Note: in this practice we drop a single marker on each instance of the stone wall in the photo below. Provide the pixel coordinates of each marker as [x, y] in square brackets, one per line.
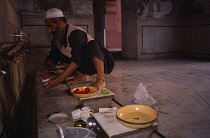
[12, 69]
[168, 28]
[9, 22]
[34, 26]
[33, 23]
[172, 8]
[67, 6]
[129, 29]
[77, 12]
[160, 37]
[197, 36]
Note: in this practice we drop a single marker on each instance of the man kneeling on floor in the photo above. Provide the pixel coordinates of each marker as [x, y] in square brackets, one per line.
[72, 45]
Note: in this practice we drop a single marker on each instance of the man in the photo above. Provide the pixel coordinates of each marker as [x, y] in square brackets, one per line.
[71, 44]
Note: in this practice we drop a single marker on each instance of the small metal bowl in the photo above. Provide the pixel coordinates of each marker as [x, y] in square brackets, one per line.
[80, 123]
[92, 125]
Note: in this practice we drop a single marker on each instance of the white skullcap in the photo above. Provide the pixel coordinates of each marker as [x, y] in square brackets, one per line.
[54, 13]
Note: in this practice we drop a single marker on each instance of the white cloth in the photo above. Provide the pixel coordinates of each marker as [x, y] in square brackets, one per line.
[54, 13]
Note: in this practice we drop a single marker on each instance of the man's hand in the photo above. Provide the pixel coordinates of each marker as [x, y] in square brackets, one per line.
[52, 83]
[67, 72]
[45, 74]
[48, 65]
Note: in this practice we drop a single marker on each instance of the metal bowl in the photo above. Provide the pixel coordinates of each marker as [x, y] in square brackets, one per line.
[136, 116]
[93, 92]
[92, 125]
[76, 132]
[80, 123]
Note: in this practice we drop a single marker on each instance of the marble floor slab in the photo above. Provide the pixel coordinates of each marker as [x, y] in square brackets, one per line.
[181, 88]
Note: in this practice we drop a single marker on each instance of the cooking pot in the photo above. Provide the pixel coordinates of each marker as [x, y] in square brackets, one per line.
[76, 132]
[136, 116]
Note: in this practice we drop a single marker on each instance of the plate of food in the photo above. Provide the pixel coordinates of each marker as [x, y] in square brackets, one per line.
[84, 92]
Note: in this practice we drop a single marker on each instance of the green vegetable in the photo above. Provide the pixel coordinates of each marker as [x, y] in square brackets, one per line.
[105, 91]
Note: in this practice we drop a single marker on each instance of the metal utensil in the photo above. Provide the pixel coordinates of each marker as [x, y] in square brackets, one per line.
[92, 125]
[76, 132]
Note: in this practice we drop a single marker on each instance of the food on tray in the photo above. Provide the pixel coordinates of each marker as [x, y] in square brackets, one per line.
[105, 91]
[76, 91]
[85, 91]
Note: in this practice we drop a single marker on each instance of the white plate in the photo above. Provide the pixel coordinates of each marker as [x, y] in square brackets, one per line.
[45, 80]
[57, 118]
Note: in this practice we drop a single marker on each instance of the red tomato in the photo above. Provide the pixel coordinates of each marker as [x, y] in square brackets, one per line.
[87, 89]
[82, 92]
[76, 91]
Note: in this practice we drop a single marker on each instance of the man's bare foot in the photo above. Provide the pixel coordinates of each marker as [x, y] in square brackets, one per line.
[79, 77]
[99, 84]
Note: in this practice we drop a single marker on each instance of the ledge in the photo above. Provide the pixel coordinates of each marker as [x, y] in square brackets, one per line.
[53, 100]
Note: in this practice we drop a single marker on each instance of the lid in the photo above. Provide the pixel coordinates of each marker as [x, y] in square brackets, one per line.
[77, 132]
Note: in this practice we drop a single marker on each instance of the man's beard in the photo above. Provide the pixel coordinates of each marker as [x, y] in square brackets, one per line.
[60, 37]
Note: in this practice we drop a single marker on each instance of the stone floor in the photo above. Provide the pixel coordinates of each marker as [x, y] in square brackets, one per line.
[181, 88]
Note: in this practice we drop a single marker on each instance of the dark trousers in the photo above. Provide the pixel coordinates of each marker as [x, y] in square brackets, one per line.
[83, 51]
